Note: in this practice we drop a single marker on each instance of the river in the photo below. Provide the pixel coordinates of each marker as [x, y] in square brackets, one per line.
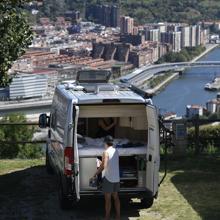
[189, 88]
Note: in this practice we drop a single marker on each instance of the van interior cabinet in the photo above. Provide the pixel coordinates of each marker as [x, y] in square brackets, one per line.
[88, 168]
[132, 172]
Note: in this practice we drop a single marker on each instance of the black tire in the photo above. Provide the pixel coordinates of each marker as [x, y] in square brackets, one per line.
[147, 202]
[65, 202]
[48, 165]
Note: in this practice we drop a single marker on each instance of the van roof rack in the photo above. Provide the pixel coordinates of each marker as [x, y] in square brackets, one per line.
[93, 76]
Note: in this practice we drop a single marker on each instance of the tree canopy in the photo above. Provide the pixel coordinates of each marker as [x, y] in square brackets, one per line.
[144, 11]
[15, 35]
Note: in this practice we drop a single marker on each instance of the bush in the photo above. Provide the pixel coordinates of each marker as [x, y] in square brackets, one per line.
[30, 151]
[186, 54]
[11, 134]
[209, 138]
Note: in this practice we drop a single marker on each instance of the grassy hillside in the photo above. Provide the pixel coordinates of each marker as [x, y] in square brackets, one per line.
[148, 10]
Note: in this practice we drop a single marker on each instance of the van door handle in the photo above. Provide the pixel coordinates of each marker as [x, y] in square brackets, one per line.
[150, 158]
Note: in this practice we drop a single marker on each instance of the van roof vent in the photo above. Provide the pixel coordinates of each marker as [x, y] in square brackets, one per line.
[93, 76]
[100, 88]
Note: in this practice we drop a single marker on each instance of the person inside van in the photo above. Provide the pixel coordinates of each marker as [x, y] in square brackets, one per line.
[111, 179]
[106, 126]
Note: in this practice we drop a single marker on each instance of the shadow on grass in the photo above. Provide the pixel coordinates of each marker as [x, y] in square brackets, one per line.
[32, 194]
[199, 182]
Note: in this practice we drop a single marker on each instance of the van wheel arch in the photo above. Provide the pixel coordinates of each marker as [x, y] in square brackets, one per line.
[49, 168]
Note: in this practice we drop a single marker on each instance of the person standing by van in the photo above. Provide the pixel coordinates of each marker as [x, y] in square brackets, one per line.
[111, 179]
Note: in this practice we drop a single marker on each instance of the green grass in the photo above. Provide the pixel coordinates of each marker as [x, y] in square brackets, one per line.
[158, 79]
[191, 190]
[7, 166]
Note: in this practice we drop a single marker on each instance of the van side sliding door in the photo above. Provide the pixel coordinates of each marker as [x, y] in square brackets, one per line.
[153, 150]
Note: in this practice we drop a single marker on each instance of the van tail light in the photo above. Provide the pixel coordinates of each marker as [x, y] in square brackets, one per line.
[68, 161]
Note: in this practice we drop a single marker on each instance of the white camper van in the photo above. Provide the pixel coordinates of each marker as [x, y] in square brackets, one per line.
[73, 145]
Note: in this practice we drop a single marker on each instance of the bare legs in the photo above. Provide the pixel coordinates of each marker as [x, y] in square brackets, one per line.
[117, 205]
[108, 205]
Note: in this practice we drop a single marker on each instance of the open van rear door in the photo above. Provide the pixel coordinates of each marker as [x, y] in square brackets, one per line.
[153, 150]
[76, 152]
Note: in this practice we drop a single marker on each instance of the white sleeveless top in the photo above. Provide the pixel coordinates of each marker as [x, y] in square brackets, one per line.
[111, 173]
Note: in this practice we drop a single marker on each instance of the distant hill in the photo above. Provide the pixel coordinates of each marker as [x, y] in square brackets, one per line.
[147, 10]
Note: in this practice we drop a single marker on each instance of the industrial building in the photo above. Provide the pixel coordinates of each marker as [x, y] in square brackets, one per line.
[28, 86]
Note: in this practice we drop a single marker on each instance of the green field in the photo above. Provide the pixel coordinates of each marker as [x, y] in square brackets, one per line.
[190, 191]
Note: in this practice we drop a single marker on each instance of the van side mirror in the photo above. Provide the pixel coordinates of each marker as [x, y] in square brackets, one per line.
[44, 121]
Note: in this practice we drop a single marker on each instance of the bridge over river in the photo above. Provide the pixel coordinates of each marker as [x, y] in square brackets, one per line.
[139, 75]
[147, 72]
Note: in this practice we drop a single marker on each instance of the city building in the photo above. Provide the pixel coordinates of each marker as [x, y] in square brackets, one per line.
[152, 35]
[213, 106]
[173, 38]
[126, 25]
[193, 110]
[73, 16]
[204, 37]
[111, 51]
[176, 41]
[28, 86]
[185, 36]
[135, 40]
[198, 35]
[106, 15]
[115, 16]
[193, 36]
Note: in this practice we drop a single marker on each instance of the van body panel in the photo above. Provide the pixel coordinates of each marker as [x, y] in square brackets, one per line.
[153, 154]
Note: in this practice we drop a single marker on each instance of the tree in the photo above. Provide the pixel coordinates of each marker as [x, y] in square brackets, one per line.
[15, 35]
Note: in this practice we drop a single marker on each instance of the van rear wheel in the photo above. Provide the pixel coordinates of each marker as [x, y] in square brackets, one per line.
[65, 202]
[147, 202]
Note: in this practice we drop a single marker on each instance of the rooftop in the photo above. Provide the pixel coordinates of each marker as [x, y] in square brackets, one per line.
[100, 93]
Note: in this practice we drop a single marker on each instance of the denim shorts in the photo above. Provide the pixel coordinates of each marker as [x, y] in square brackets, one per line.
[109, 187]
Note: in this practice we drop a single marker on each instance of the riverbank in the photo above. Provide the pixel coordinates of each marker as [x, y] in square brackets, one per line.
[209, 48]
[157, 88]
